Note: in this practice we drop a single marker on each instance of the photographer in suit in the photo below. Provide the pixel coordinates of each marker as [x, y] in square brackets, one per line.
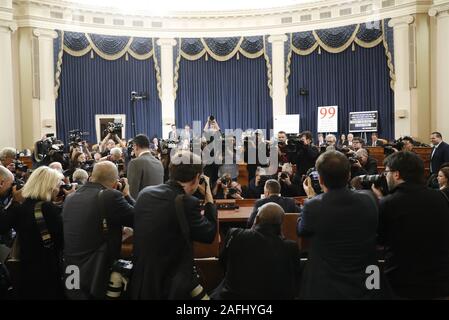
[167, 219]
[341, 227]
[306, 155]
[145, 170]
[272, 193]
[83, 222]
[413, 227]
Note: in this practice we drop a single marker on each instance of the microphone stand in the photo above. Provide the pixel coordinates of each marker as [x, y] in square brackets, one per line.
[133, 116]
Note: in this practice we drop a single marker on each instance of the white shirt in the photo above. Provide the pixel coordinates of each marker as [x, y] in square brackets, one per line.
[434, 148]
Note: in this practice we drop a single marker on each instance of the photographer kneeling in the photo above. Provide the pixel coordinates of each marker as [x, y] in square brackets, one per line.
[289, 184]
[94, 217]
[226, 188]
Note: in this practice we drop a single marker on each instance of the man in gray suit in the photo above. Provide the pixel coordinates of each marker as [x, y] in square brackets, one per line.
[145, 170]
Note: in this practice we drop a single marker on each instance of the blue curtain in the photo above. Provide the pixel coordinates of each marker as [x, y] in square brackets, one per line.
[353, 80]
[98, 86]
[234, 91]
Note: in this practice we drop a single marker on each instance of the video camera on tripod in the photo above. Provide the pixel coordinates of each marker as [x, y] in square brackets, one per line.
[44, 147]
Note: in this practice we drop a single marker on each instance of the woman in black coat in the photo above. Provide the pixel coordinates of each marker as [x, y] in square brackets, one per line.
[39, 266]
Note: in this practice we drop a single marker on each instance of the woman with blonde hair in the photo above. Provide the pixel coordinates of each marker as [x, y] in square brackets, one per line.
[38, 224]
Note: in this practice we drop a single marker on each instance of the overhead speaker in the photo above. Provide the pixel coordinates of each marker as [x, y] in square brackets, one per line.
[303, 92]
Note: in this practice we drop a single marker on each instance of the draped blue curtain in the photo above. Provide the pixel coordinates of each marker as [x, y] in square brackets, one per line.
[353, 80]
[234, 91]
[98, 86]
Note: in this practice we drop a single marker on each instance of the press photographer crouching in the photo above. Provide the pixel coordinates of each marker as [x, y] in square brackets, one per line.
[168, 218]
[94, 217]
[290, 186]
[38, 224]
[362, 164]
[226, 188]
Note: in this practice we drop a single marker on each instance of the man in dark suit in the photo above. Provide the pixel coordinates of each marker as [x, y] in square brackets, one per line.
[375, 142]
[340, 225]
[173, 134]
[259, 263]
[82, 222]
[413, 227]
[145, 170]
[168, 218]
[306, 155]
[272, 192]
[440, 152]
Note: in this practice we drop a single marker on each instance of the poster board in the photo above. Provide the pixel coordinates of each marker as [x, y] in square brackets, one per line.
[364, 121]
[327, 119]
[286, 122]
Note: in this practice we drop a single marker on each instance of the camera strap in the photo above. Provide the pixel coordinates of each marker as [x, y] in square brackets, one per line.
[42, 225]
[104, 221]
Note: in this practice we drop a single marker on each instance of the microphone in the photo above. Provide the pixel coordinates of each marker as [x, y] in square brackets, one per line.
[136, 96]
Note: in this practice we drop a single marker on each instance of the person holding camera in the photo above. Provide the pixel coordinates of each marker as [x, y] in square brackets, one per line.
[226, 188]
[168, 216]
[109, 142]
[282, 148]
[413, 228]
[93, 218]
[144, 170]
[38, 224]
[362, 164]
[340, 226]
[7, 197]
[306, 155]
[289, 185]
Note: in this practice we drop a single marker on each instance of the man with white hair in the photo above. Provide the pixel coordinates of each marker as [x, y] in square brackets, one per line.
[331, 140]
[80, 176]
[364, 165]
[7, 157]
[6, 199]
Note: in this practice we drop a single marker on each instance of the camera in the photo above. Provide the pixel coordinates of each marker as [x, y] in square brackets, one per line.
[378, 180]
[312, 173]
[18, 183]
[353, 160]
[232, 191]
[121, 271]
[224, 180]
[47, 147]
[284, 175]
[75, 137]
[114, 127]
[211, 118]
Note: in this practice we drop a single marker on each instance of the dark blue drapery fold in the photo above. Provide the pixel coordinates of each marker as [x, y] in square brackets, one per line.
[75, 41]
[98, 86]
[234, 91]
[109, 44]
[353, 80]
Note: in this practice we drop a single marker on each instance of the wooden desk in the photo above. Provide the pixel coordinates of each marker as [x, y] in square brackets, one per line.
[240, 215]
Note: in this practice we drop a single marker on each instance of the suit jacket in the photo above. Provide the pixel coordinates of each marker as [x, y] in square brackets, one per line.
[378, 143]
[161, 252]
[440, 156]
[341, 228]
[287, 204]
[413, 226]
[39, 270]
[259, 265]
[371, 166]
[83, 225]
[144, 171]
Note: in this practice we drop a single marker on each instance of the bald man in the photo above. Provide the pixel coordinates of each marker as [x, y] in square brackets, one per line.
[84, 233]
[259, 263]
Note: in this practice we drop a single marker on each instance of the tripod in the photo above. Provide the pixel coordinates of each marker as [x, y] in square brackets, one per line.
[134, 97]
